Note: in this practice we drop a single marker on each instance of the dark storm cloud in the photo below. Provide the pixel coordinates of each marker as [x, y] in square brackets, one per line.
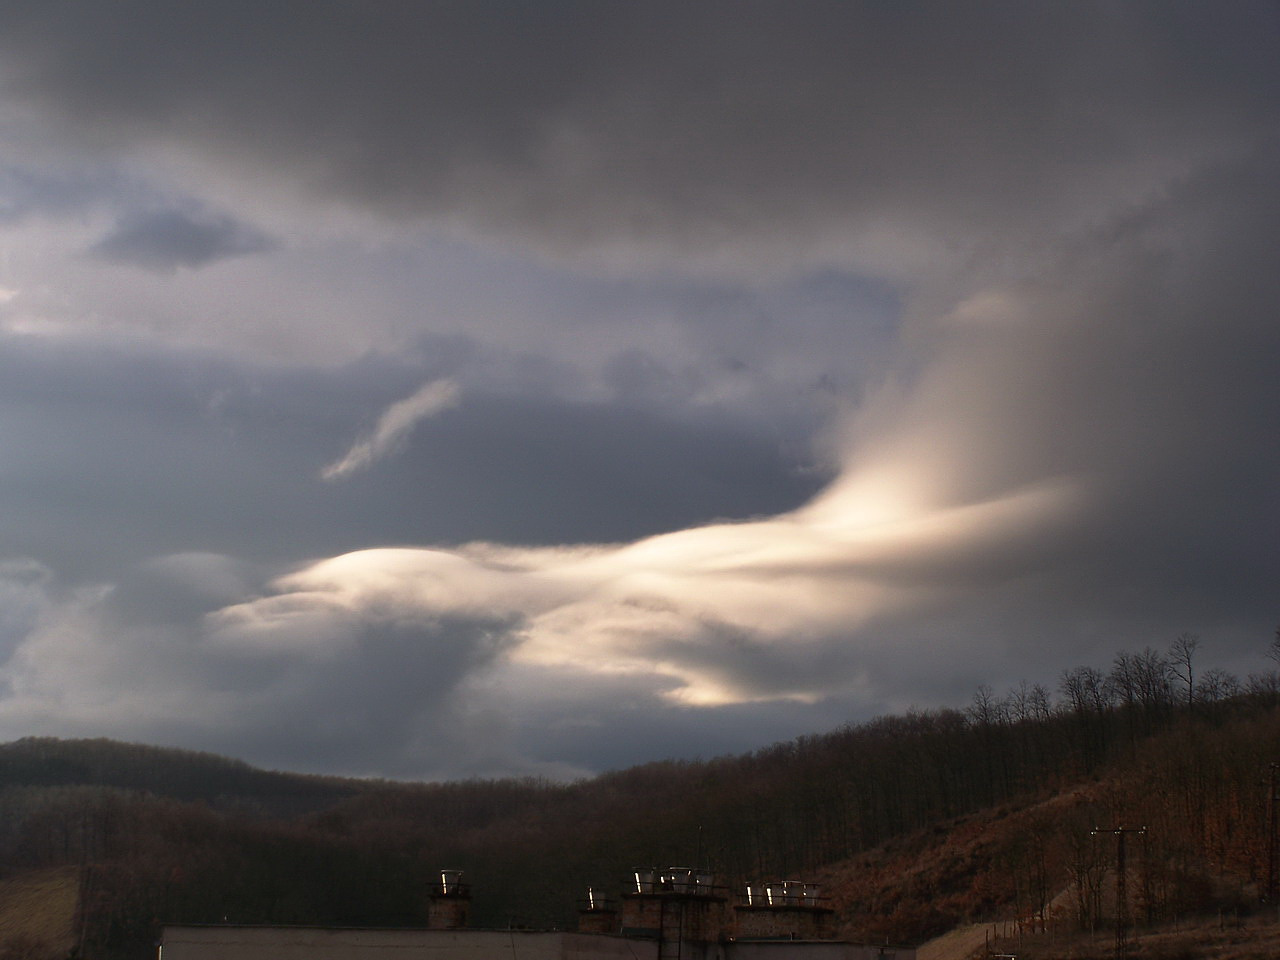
[801, 129]
[1136, 362]
[1054, 228]
[164, 240]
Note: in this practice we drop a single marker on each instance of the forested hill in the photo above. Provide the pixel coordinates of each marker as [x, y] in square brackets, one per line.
[167, 772]
[916, 823]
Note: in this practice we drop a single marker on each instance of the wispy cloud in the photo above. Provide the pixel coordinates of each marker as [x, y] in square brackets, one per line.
[394, 427]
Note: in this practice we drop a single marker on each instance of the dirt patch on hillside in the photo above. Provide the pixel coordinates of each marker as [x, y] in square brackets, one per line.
[960, 944]
[38, 914]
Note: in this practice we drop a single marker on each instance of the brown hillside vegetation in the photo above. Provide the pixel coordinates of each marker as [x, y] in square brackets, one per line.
[1005, 862]
[1033, 867]
[38, 914]
[1208, 938]
[917, 824]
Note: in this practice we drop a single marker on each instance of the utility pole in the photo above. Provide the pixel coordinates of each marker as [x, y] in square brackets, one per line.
[1122, 897]
[1271, 835]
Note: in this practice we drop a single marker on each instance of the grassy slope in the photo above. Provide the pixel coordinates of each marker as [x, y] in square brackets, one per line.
[38, 912]
[958, 871]
[957, 867]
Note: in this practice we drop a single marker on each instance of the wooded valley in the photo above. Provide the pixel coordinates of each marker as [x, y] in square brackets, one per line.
[914, 823]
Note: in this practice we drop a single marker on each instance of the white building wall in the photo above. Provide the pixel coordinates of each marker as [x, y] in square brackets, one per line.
[325, 943]
[812, 950]
[317, 943]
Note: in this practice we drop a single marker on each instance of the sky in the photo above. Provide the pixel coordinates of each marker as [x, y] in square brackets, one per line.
[452, 389]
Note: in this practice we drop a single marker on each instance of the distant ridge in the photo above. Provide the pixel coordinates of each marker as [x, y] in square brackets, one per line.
[167, 772]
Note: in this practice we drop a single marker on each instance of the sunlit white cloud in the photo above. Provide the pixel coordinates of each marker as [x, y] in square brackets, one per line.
[709, 617]
[627, 609]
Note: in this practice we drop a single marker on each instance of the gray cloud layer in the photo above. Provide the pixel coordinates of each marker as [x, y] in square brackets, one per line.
[793, 131]
[1003, 278]
[165, 240]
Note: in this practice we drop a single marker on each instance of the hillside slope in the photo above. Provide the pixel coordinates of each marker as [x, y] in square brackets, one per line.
[38, 913]
[1037, 866]
[164, 771]
[917, 825]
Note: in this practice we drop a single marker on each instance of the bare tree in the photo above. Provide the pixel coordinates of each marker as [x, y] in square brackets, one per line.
[1217, 684]
[1122, 682]
[986, 709]
[1086, 689]
[1152, 674]
[1264, 684]
[1268, 684]
[1039, 703]
[1182, 654]
[1019, 703]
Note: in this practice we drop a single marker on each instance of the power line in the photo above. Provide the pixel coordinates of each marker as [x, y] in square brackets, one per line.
[1272, 833]
[1122, 897]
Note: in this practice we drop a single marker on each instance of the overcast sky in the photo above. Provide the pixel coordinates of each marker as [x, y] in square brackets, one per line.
[431, 389]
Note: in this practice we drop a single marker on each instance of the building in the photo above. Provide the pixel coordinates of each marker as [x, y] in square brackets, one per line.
[671, 914]
[230, 942]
